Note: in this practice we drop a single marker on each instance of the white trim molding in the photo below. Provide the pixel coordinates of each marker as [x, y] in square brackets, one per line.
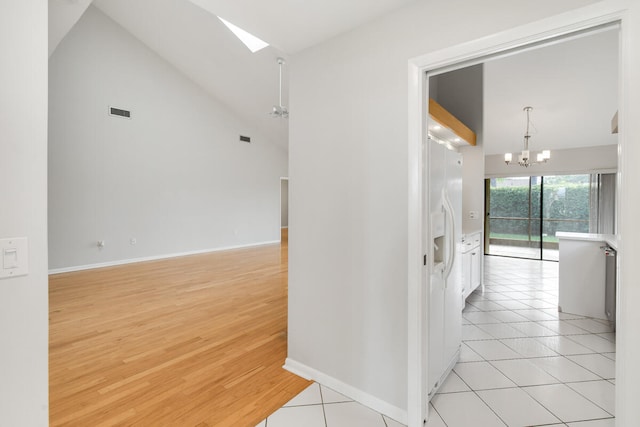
[156, 257]
[354, 393]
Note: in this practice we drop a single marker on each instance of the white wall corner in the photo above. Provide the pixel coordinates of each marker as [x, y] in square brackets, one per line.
[354, 393]
[155, 258]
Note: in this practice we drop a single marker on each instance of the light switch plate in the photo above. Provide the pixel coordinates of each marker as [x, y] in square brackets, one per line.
[14, 256]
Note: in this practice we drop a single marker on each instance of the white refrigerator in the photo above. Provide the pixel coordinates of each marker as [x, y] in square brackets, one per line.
[445, 271]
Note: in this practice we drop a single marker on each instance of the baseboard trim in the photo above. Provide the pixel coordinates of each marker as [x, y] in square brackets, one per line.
[354, 393]
[155, 258]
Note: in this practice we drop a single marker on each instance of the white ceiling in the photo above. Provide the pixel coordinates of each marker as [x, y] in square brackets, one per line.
[188, 34]
[294, 25]
[572, 87]
[205, 50]
[63, 15]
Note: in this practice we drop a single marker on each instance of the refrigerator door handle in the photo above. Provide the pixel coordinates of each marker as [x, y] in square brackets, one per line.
[450, 233]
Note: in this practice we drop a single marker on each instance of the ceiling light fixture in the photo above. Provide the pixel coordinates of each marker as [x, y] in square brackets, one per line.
[524, 158]
[280, 110]
[252, 42]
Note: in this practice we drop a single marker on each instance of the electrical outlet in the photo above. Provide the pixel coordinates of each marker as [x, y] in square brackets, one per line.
[100, 244]
[473, 214]
[133, 241]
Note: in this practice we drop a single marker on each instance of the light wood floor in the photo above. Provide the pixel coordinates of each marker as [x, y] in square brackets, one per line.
[190, 341]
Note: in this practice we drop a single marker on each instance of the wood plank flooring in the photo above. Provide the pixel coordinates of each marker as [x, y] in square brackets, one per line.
[190, 341]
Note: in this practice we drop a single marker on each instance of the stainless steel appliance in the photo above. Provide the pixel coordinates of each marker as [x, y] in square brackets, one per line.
[610, 284]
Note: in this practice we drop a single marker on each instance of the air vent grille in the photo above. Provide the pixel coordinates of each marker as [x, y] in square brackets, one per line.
[245, 138]
[119, 112]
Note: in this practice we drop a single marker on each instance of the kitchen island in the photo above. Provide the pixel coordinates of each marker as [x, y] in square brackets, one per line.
[583, 274]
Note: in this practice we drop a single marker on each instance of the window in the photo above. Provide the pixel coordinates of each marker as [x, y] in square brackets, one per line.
[525, 213]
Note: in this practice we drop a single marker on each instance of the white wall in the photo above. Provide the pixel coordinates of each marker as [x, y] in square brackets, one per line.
[599, 159]
[23, 211]
[175, 176]
[627, 337]
[348, 160]
[473, 189]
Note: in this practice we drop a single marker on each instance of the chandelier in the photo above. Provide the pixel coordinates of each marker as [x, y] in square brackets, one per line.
[525, 157]
[280, 111]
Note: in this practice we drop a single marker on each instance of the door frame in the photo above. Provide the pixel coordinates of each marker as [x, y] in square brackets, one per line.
[282, 180]
[449, 59]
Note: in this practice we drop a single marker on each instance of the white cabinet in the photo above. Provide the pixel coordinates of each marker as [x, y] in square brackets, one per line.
[476, 268]
[471, 263]
[466, 273]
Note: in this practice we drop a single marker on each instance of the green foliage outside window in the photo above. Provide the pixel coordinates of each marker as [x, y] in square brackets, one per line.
[563, 200]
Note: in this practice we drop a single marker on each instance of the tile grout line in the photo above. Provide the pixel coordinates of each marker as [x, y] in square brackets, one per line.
[536, 339]
[482, 400]
[589, 398]
[324, 413]
[429, 405]
[518, 386]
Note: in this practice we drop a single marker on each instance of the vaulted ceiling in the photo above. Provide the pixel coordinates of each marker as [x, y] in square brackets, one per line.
[572, 86]
[188, 34]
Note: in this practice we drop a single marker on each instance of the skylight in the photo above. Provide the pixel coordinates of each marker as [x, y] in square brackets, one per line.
[252, 42]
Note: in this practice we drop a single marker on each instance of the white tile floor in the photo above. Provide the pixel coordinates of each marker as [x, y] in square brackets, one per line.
[522, 364]
[523, 252]
[320, 406]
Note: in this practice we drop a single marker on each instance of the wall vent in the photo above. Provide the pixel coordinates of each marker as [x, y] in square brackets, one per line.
[119, 112]
[245, 138]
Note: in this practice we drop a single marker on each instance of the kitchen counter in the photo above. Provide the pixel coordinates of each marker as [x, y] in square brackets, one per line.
[609, 239]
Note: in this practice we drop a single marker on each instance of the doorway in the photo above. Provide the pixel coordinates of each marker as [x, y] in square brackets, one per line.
[448, 60]
[284, 210]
